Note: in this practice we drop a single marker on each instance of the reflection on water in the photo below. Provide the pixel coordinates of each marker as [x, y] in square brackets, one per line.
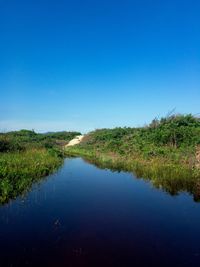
[11, 189]
[172, 185]
[86, 216]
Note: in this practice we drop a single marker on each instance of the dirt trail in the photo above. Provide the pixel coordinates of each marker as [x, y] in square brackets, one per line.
[75, 141]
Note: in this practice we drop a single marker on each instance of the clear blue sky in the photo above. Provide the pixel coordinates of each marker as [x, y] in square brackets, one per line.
[81, 65]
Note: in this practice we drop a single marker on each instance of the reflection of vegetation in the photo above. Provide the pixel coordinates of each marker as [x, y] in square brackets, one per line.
[165, 179]
[25, 157]
[164, 152]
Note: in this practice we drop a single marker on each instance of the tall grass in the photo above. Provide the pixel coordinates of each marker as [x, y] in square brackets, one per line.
[26, 156]
[18, 170]
[171, 178]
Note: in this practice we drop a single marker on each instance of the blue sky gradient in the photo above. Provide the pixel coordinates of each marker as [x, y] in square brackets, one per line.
[81, 65]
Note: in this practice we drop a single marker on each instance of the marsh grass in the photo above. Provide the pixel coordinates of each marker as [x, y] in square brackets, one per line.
[172, 178]
[26, 157]
[18, 170]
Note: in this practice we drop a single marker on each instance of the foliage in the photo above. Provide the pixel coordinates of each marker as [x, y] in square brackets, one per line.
[163, 151]
[173, 138]
[26, 156]
[23, 139]
[18, 170]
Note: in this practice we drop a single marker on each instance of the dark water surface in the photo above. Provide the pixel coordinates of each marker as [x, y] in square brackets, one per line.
[85, 216]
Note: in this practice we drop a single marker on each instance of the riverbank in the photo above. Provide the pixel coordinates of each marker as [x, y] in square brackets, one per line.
[163, 151]
[26, 157]
[18, 171]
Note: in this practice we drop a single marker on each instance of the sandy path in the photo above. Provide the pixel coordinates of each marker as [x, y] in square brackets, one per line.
[75, 141]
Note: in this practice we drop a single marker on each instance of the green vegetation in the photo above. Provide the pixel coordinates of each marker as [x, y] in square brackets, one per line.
[21, 140]
[164, 151]
[26, 156]
[167, 151]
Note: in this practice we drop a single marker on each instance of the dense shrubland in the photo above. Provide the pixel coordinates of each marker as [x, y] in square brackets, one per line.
[174, 138]
[24, 139]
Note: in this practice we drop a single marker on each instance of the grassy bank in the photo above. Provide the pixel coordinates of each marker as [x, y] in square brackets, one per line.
[18, 170]
[164, 151]
[25, 157]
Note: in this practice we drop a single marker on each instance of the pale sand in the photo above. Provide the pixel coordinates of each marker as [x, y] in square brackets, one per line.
[75, 141]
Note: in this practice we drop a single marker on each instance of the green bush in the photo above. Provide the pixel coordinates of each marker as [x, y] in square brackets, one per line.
[169, 141]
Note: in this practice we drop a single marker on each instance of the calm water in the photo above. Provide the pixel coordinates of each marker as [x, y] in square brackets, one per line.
[85, 216]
